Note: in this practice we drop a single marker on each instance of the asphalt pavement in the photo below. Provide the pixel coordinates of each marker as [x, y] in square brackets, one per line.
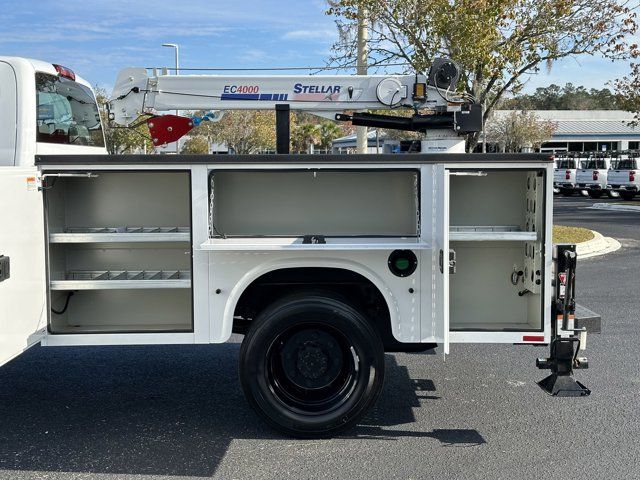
[178, 412]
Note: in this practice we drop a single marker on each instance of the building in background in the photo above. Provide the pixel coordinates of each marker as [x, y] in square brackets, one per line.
[589, 130]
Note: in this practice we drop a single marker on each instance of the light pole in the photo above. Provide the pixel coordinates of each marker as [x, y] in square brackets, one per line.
[176, 47]
[362, 139]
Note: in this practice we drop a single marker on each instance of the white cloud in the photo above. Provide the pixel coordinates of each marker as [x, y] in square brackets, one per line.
[254, 55]
[311, 34]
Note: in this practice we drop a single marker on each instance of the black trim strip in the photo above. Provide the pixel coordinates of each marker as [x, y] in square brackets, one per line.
[367, 159]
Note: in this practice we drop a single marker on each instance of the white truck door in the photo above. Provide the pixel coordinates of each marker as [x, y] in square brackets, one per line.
[8, 116]
[23, 313]
[435, 231]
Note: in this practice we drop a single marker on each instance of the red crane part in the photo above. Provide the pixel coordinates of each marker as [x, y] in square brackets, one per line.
[168, 128]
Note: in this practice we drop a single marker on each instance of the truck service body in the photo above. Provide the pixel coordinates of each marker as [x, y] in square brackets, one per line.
[322, 262]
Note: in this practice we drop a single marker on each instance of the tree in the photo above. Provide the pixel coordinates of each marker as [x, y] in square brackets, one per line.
[495, 42]
[328, 131]
[303, 136]
[243, 131]
[122, 139]
[568, 97]
[628, 91]
[515, 130]
[195, 144]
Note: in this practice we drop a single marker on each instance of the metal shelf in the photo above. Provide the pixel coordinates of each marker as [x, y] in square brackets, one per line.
[125, 328]
[295, 243]
[122, 280]
[121, 234]
[504, 233]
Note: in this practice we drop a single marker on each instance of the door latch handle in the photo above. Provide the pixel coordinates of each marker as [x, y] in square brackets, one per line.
[4, 268]
[451, 263]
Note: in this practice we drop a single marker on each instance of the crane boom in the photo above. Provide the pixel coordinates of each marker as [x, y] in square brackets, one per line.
[137, 93]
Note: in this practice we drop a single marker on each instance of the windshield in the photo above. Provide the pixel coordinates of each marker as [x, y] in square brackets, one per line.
[565, 163]
[596, 164]
[67, 112]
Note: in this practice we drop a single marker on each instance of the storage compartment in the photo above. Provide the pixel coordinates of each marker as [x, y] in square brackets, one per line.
[314, 202]
[481, 292]
[126, 203]
[496, 230]
[113, 311]
[498, 202]
[120, 252]
[93, 266]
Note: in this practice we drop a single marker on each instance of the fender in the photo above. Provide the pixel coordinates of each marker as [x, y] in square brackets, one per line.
[221, 331]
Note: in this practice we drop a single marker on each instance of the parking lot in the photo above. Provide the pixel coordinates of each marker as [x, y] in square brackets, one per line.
[178, 412]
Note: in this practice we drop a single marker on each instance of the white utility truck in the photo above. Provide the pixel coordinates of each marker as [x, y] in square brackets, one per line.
[593, 174]
[564, 175]
[322, 262]
[624, 177]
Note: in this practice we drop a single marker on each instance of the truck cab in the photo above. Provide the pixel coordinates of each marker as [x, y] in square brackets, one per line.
[44, 109]
[592, 177]
[625, 176]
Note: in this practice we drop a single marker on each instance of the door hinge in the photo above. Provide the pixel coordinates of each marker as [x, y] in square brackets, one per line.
[4, 268]
[451, 262]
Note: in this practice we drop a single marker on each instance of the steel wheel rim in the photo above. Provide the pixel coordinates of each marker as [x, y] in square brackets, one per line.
[302, 373]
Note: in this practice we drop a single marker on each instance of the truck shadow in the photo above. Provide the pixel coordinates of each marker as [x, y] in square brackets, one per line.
[157, 410]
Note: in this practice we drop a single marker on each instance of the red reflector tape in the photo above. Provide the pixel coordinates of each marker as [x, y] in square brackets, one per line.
[533, 338]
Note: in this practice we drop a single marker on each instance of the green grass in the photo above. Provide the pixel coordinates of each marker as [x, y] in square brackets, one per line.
[564, 234]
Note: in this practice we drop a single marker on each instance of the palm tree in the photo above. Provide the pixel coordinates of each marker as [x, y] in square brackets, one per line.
[328, 131]
[304, 136]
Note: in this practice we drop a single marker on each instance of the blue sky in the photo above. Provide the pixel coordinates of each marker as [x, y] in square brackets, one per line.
[98, 38]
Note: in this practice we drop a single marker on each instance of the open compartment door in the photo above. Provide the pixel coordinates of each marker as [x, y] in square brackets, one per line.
[23, 312]
[446, 257]
[435, 230]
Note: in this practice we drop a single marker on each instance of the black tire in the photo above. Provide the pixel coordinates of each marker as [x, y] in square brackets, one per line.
[311, 365]
[595, 193]
[627, 195]
[567, 192]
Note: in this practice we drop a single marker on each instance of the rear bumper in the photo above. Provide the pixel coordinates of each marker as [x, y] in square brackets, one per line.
[591, 186]
[587, 319]
[625, 188]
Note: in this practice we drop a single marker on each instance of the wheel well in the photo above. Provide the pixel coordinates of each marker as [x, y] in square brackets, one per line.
[354, 288]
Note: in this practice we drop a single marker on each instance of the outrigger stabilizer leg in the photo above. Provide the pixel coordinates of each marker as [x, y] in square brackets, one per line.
[565, 345]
